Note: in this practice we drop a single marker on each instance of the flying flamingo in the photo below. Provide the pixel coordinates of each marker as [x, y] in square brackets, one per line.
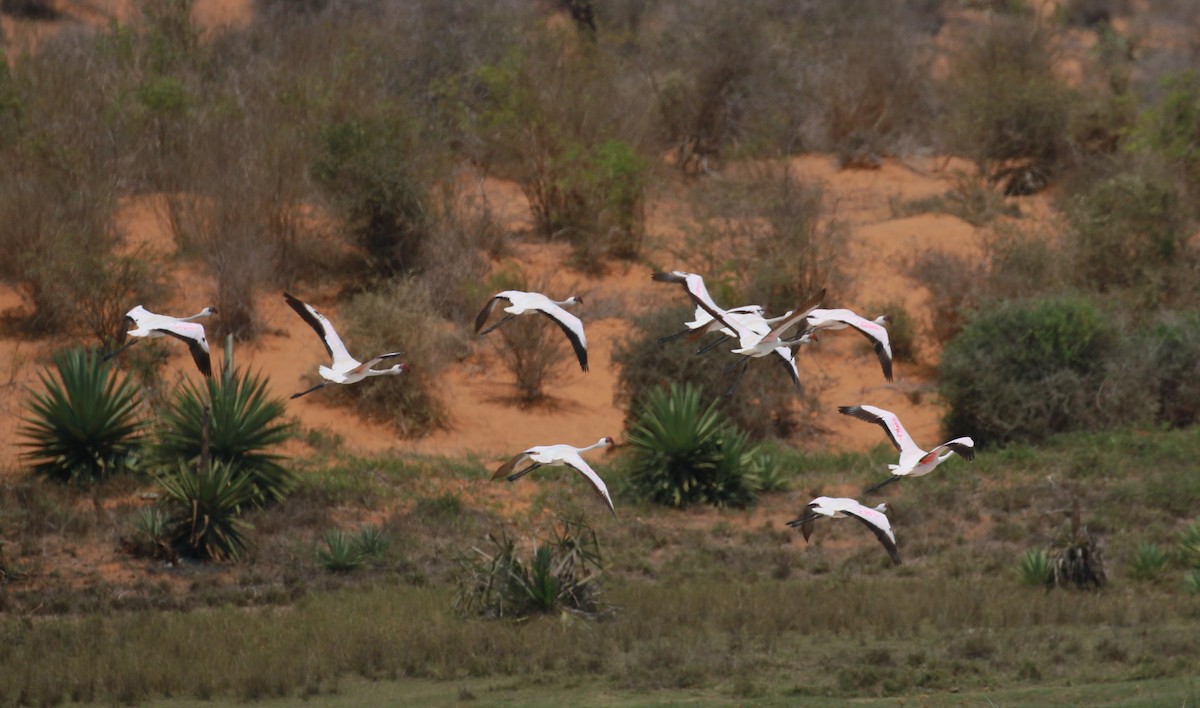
[148, 325]
[345, 369]
[756, 340]
[873, 330]
[521, 303]
[558, 456]
[840, 508]
[914, 462]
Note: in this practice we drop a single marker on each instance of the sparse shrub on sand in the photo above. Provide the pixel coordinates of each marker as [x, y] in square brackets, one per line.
[85, 427]
[1148, 563]
[399, 315]
[1034, 568]
[685, 451]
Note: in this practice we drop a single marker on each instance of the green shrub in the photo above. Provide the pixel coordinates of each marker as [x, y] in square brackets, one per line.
[367, 167]
[1148, 562]
[1191, 582]
[203, 506]
[902, 329]
[84, 427]
[150, 536]
[684, 452]
[234, 415]
[561, 575]
[371, 541]
[1035, 568]
[1026, 370]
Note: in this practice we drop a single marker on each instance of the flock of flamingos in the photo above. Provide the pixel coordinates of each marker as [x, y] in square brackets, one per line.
[756, 335]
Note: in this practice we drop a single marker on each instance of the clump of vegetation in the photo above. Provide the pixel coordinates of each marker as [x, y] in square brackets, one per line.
[561, 575]
[398, 316]
[1034, 568]
[1026, 370]
[1188, 546]
[1149, 562]
[684, 452]
[84, 427]
[204, 503]
[343, 552]
[765, 403]
[233, 414]
[150, 536]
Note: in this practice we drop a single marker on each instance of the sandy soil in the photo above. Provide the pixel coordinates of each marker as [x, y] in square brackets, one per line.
[478, 391]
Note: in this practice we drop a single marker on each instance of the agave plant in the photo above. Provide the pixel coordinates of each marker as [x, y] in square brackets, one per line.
[1035, 568]
[243, 423]
[684, 452]
[84, 427]
[1189, 546]
[341, 553]
[561, 574]
[204, 505]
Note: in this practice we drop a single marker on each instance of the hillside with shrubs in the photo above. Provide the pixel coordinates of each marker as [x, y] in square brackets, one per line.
[1012, 183]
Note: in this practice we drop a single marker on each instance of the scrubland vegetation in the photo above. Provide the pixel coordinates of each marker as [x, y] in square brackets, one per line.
[340, 145]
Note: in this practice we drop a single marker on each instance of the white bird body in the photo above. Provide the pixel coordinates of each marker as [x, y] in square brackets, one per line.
[344, 369]
[873, 518]
[558, 456]
[149, 325]
[521, 303]
[873, 330]
[914, 462]
[756, 336]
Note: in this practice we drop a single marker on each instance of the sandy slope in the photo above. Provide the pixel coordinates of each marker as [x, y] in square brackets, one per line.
[478, 390]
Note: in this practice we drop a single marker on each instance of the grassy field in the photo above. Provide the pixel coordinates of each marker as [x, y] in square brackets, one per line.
[701, 605]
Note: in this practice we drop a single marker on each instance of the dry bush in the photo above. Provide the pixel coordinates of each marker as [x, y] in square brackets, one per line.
[1008, 111]
[769, 237]
[866, 72]
[399, 316]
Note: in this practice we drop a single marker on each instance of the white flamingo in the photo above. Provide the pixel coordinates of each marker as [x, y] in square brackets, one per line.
[756, 340]
[914, 462]
[558, 456]
[873, 330]
[521, 303]
[148, 325]
[841, 507]
[344, 369]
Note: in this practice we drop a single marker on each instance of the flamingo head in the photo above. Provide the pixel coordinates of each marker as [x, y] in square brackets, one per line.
[883, 319]
[608, 443]
[573, 300]
[401, 368]
[882, 508]
[208, 311]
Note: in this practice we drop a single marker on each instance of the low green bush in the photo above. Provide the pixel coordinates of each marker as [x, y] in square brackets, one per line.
[1035, 568]
[1148, 562]
[1026, 370]
[204, 504]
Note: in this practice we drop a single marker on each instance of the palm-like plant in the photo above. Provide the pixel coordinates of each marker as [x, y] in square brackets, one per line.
[1035, 568]
[84, 427]
[244, 422]
[684, 452]
[204, 504]
[1148, 562]
[341, 553]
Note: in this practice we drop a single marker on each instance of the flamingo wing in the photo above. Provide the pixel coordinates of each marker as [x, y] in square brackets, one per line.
[573, 460]
[965, 447]
[508, 467]
[191, 334]
[888, 421]
[696, 290]
[482, 318]
[571, 326]
[796, 316]
[324, 329]
[878, 522]
[789, 363]
[875, 333]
